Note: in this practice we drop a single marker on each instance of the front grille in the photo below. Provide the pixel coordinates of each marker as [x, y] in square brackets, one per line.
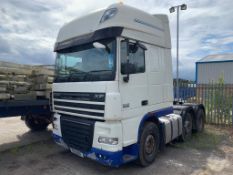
[77, 133]
[83, 96]
[81, 112]
[89, 105]
[79, 105]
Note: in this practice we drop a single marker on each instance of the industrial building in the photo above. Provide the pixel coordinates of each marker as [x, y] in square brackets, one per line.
[213, 67]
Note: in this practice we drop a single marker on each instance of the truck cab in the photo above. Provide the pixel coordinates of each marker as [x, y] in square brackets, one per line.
[113, 91]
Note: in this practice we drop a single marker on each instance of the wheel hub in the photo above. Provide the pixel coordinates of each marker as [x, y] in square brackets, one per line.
[150, 144]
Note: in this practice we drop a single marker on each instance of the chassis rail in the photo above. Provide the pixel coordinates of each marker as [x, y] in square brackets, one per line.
[24, 107]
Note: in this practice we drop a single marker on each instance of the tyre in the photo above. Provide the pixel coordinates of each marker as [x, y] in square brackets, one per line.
[200, 120]
[187, 127]
[36, 124]
[149, 144]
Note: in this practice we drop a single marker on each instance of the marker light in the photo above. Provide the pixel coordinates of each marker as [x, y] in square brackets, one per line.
[108, 140]
[108, 14]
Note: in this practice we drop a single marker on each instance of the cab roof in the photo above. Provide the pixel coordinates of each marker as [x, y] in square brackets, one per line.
[153, 29]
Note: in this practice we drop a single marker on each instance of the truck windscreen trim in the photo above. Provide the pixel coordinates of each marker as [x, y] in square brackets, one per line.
[97, 35]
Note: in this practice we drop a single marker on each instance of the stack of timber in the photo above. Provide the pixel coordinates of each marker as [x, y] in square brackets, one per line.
[43, 80]
[24, 82]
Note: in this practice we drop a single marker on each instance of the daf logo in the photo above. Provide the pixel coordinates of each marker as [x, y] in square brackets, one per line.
[99, 96]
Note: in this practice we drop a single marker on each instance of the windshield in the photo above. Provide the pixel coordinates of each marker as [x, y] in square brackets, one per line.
[87, 63]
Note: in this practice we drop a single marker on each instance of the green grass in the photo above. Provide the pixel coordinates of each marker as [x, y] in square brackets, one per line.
[209, 139]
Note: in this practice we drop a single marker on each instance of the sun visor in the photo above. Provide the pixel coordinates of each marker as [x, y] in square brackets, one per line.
[97, 35]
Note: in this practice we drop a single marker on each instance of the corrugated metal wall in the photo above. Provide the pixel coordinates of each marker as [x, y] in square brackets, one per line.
[208, 72]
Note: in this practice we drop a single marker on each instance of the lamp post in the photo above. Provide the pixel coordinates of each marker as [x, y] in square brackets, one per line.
[177, 9]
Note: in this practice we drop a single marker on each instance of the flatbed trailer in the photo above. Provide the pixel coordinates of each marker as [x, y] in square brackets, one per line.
[35, 113]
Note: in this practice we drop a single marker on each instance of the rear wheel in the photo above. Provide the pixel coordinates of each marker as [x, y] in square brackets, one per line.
[36, 123]
[187, 127]
[200, 120]
[149, 144]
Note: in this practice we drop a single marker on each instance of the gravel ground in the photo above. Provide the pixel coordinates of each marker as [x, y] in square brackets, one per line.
[14, 133]
[206, 154]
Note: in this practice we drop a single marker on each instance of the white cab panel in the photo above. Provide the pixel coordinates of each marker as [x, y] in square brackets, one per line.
[113, 106]
[130, 128]
[159, 72]
[133, 92]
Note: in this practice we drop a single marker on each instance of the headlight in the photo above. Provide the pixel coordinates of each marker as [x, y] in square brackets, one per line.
[108, 14]
[108, 140]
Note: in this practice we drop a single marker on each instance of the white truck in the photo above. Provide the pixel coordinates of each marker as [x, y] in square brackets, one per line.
[113, 91]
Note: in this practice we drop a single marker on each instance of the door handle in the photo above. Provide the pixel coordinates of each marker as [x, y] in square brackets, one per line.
[144, 102]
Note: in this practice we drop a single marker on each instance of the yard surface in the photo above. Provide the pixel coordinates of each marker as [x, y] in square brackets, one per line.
[14, 133]
[207, 153]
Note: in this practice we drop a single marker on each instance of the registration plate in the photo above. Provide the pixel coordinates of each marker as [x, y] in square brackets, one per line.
[77, 152]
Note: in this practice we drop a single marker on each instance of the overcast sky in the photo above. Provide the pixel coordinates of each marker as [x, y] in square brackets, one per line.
[28, 28]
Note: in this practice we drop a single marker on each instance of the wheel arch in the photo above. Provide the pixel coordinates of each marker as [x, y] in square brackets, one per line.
[154, 117]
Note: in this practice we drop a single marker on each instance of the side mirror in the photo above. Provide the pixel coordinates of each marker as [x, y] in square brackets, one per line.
[126, 78]
[133, 48]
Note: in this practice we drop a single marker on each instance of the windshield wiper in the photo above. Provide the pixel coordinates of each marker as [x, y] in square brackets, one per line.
[107, 70]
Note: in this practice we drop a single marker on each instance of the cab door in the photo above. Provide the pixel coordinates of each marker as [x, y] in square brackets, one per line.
[133, 79]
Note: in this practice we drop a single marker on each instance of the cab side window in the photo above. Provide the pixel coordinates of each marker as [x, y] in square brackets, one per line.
[136, 59]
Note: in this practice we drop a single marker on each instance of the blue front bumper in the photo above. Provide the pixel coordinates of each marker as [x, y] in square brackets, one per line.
[113, 159]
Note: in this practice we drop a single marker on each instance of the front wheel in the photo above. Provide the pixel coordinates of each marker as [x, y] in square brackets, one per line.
[149, 144]
[36, 123]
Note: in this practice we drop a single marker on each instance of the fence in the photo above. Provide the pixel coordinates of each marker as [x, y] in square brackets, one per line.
[217, 98]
